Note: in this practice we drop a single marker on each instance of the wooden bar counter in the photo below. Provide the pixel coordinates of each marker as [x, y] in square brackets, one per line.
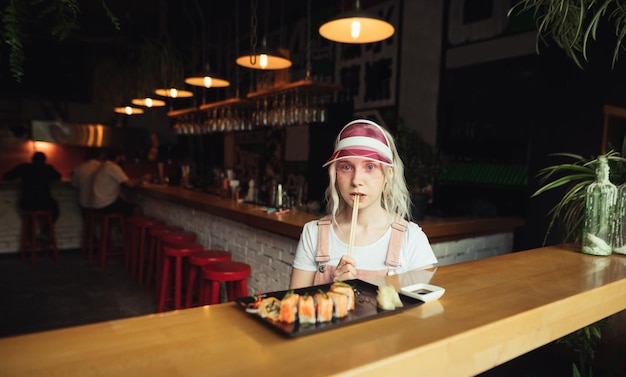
[493, 310]
[437, 229]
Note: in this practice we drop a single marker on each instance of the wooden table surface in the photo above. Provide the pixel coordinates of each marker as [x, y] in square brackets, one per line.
[493, 310]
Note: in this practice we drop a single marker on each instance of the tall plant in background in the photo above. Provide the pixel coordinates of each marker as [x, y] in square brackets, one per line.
[573, 24]
[64, 14]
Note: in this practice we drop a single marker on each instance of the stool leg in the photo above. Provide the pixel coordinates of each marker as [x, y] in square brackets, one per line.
[205, 292]
[230, 290]
[92, 235]
[104, 240]
[141, 259]
[243, 289]
[53, 238]
[25, 234]
[215, 292]
[150, 267]
[33, 240]
[191, 281]
[164, 284]
[178, 283]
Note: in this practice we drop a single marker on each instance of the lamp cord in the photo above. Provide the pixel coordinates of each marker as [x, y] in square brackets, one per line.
[253, 25]
[308, 39]
[236, 47]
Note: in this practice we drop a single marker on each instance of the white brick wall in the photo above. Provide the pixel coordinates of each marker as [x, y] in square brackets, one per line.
[67, 228]
[270, 255]
[473, 248]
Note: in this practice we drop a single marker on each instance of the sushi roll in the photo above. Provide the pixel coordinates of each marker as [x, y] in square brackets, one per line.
[346, 289]
[306, 309]
[289, 307]
[324, 306]
[340, 304]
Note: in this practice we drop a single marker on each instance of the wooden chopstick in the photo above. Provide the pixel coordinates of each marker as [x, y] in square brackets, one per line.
[355, 214]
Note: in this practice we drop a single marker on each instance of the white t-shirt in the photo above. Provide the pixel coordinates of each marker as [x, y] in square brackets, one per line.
[416, 250]
[106, 184]
[82, 178]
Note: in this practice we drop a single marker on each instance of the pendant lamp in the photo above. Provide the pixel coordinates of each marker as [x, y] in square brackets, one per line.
[207, 79]
[262, 58]
[148, 102]
[128, 110]
[356, 27]
[173, 93]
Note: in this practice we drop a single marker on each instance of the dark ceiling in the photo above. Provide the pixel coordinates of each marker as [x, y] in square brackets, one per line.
[64, 69]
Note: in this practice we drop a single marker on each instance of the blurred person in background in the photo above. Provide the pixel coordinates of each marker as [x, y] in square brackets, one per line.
[36, 179]
[83, 175]
[107, 187]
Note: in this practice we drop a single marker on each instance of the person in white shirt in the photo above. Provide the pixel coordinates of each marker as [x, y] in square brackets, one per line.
[365, 166]
[107, 185]
[83, 175]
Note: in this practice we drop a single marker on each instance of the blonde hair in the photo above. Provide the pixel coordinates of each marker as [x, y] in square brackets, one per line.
[396, 198]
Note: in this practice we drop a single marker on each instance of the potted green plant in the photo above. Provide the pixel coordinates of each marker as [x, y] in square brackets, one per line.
[422, 166]
[568, 213]
[574, 176]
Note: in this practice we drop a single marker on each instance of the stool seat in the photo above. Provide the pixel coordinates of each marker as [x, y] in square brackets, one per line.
[178, 237]
[176, 253]
[197, 260]
[32, 220]
[234, 274]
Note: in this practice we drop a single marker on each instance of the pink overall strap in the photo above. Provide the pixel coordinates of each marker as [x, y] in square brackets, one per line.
[395, 243]
[324, 274]
[323, 256]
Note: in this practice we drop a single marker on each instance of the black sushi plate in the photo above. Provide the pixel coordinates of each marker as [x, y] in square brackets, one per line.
[365, 309]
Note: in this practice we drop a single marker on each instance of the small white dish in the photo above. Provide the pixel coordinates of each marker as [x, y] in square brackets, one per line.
[423, 292]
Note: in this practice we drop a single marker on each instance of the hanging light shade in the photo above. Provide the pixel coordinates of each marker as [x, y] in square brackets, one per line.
[356, 27]
[148, 102]
[173, 93]
[264, 59]
[128, 110]
[207, 79]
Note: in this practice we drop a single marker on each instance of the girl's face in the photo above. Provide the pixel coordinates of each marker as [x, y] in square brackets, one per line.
[363, 177]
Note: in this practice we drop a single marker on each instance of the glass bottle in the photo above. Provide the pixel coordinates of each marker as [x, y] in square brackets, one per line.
[619, 245]
[600, 203]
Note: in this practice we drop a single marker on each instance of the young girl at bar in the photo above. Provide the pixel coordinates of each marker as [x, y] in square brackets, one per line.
[366, 232]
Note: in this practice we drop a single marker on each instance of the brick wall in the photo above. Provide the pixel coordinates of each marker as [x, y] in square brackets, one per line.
[270, 255]
[67, 228]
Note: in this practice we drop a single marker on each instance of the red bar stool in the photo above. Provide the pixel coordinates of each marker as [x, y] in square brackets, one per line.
[87, 243]
[107, 247]
[154, 250]
[139, 245]
[133, 233]
[171, 238]
[196, 261]
[31, 221]
[176, 253]
[233, 274]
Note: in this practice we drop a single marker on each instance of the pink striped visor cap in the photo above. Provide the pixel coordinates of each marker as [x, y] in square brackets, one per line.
[362, 139]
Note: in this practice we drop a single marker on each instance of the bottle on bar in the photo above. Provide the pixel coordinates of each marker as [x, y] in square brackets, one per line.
[619, 246]
[600, 203]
